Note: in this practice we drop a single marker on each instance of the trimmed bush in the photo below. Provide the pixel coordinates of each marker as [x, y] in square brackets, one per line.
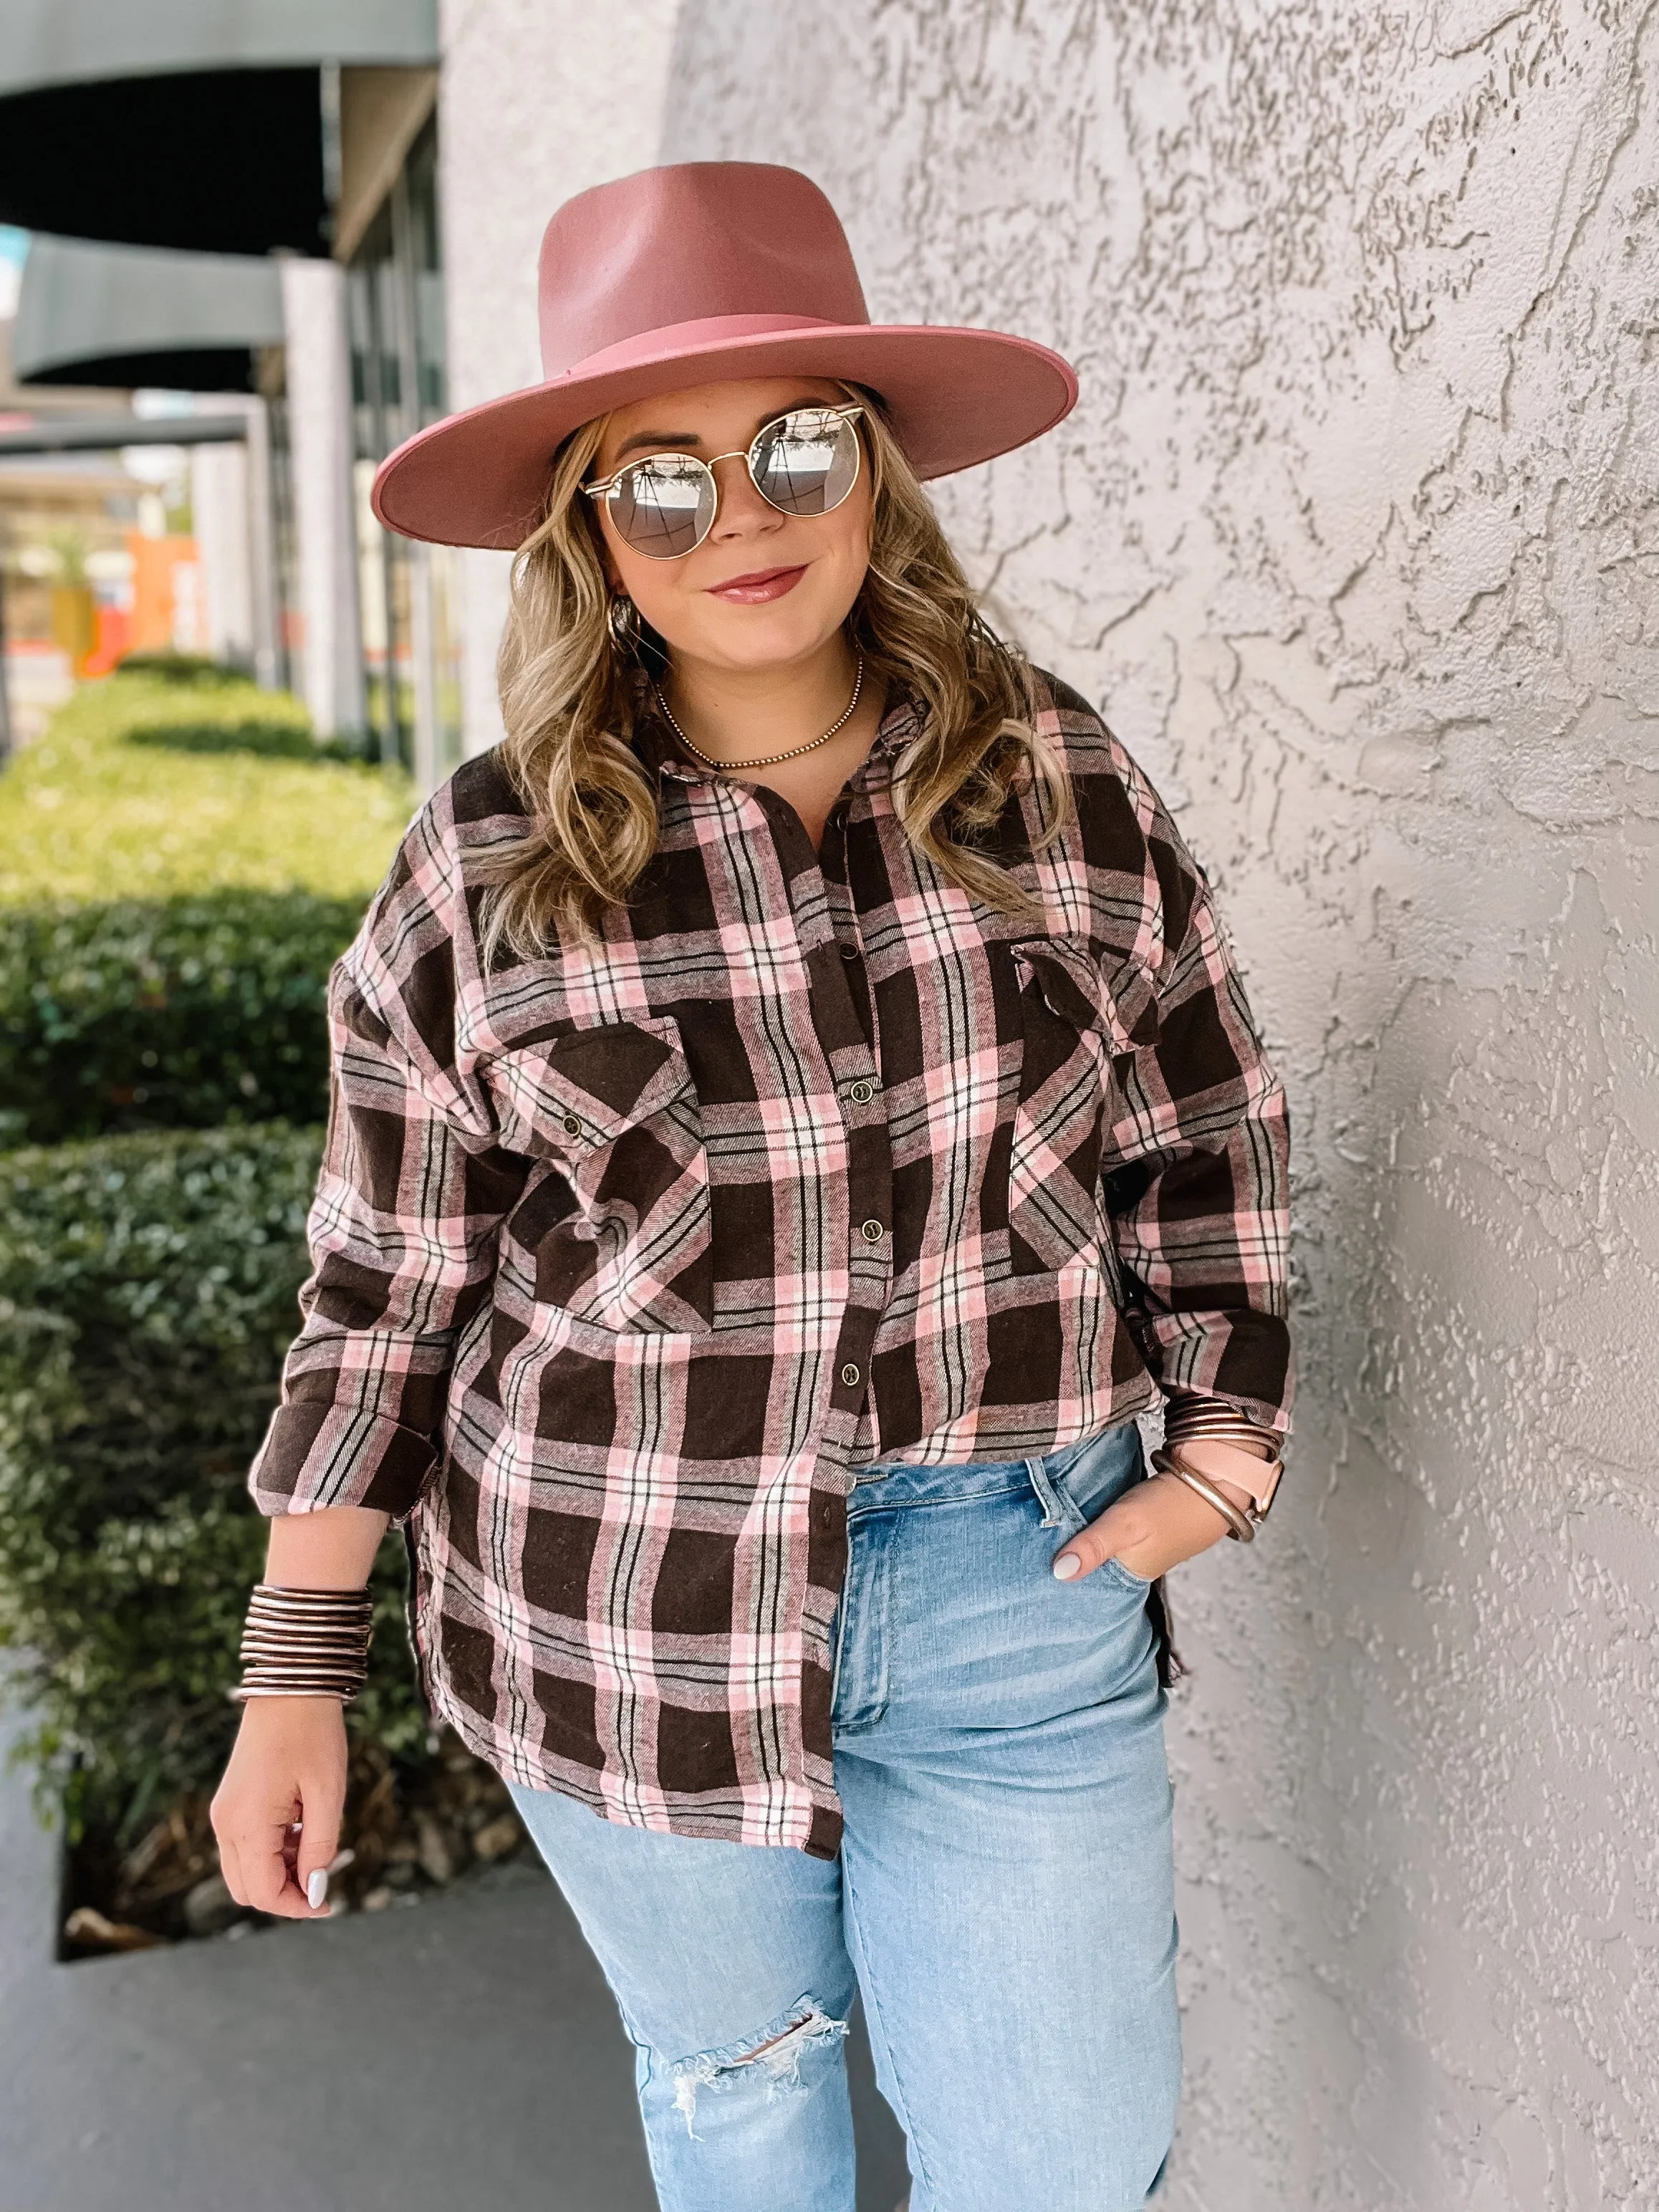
[147, 1296]
[180, 668]
[183, 1011]
[149, 786]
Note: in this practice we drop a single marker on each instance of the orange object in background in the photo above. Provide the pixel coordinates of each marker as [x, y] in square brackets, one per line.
[114, 626]
[156, 592]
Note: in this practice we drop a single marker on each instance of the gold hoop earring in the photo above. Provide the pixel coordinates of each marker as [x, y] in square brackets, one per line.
[621, 619]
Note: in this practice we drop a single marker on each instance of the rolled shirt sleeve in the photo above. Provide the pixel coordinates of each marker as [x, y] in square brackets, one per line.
[403, 1233]
[1197, 1174]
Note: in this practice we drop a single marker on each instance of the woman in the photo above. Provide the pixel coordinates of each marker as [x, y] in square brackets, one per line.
[794, 1109]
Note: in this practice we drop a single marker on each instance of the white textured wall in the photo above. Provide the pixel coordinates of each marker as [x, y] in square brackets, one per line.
[538, 100]
[1356, 536]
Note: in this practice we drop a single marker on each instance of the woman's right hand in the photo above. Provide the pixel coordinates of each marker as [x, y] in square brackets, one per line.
[289, 1766]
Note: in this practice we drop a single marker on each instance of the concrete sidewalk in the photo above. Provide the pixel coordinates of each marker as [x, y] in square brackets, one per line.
[459, 2056]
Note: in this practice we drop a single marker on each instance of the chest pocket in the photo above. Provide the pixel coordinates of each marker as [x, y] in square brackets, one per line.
[615, 1109]
[1076, 1023]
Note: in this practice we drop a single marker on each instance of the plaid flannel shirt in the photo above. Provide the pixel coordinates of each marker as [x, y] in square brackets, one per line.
[627, 1258]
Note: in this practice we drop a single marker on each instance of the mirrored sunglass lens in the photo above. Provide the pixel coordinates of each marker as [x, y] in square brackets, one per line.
[806, 463]
[663, 507]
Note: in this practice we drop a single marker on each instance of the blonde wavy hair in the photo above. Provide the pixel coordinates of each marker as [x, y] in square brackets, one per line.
[570, 699]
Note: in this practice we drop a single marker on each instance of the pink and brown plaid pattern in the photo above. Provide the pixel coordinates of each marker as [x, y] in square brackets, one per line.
[626, 1258]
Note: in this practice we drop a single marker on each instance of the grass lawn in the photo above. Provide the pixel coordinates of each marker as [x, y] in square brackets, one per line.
[147, 786]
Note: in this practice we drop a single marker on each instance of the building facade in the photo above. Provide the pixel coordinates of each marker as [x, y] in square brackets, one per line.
[408, 593]
[247, 130]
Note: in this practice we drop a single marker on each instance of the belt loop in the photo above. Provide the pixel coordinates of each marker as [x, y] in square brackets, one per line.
[1053, 1512]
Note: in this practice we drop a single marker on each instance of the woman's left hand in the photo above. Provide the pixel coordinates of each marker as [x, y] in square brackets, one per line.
[1156, 1525]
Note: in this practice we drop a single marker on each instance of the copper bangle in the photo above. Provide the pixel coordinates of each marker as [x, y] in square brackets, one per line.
[305, 1643]
[1192, 1419]
[1239, 1523]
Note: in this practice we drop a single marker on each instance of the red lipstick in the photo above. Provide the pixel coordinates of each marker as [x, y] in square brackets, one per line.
[755, 589]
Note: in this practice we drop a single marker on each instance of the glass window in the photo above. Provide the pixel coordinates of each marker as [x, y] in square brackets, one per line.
[411, 642]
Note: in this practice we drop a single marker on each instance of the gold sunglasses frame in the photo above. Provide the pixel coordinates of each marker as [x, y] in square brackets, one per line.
[746, 455]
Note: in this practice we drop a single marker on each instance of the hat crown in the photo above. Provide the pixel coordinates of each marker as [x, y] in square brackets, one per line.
[686, 243]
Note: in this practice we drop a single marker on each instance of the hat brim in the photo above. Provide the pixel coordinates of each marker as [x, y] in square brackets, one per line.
[954, 398]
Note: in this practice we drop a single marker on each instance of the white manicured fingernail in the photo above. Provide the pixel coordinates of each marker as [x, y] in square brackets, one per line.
[1066, 1566]
[341, 1859]
[317, 1887]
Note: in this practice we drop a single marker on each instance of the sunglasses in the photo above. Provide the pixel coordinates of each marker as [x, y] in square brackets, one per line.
[663, 505]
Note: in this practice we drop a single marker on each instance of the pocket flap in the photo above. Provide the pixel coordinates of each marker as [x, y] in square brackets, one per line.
[589, 1087]
[615, 1076]
[1121, 1006]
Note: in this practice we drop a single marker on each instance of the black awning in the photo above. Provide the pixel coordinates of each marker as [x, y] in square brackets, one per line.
[197, 368]
[221, 161]
[197, 124]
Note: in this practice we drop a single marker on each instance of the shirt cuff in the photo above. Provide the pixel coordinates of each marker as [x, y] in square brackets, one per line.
[1241, 1355]
[317, 1455]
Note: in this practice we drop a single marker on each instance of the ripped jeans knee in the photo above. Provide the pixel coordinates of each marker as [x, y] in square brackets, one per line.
[767, 2064]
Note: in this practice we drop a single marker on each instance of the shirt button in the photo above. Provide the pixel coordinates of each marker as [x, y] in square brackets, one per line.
[862, 1093]
[873, 1232]
[573, 1127]
[849, 1375]
[849, 951]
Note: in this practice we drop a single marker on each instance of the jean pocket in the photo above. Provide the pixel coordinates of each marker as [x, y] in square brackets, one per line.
[1136, 1584]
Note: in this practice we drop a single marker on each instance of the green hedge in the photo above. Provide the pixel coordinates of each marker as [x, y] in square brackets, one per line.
[192, 668]
[150, 786]
[184, 1011]
[147, 1296]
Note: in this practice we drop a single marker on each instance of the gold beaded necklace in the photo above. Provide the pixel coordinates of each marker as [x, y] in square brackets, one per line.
[767, 759]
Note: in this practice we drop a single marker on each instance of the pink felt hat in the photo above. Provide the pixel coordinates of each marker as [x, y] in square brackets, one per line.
[693, 274]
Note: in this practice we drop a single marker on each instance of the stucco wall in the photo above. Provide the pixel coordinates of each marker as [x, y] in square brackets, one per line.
[536, 100]
[1356, 536]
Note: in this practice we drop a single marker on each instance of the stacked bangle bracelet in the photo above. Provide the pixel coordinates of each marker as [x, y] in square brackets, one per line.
[1192, 1419]
[305, 1643]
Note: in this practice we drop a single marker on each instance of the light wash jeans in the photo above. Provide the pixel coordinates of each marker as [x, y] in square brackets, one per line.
[1004, 1898]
